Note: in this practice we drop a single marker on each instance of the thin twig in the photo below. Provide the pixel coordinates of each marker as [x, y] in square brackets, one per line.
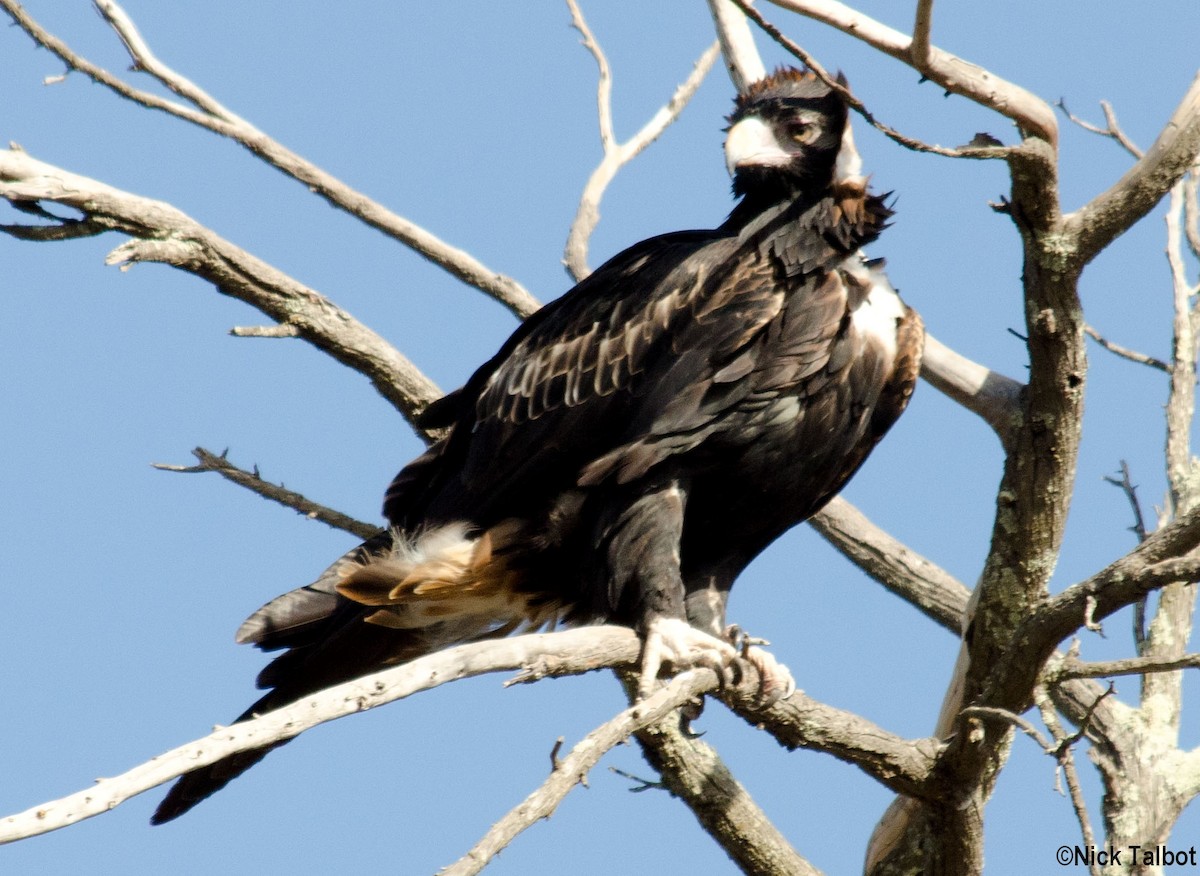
[1173, 153]
[1069, 668]
[1126, 485]
[1112, 130]
[992, 713]
[276, 493]
[1081, 731]
[639, 784]
[1125, 352]
[1066, 760]
[608, 138]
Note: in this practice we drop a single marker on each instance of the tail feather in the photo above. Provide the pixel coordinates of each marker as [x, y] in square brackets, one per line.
[393, 599]
[199, 784]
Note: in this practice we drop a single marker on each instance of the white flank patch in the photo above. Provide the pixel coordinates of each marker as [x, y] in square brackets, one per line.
[877, 316]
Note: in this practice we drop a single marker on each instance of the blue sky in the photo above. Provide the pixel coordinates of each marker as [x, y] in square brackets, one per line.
[123, 585]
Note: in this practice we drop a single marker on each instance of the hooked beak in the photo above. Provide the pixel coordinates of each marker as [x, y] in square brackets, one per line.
[752, 142]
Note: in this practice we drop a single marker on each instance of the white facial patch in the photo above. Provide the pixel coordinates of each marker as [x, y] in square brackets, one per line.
[752, 142]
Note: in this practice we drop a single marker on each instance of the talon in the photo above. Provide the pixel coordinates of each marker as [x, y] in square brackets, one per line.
[741, 640]
[775, 679]
[675, 642]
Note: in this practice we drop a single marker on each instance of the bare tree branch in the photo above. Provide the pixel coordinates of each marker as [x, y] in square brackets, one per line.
[616, 154]
[742, 60]
[1191, 202]
[1072, 668]
[216, 118]
[991, 713]
[165, 234]
[1066, 760]
[993, 396]
[921, 49]
[694, 772]
[1110, 214]
[798, 721]
[1126, 485]
[573, 769]
[1163, 558]
[1125, 352]
[955, 75]
[912, 577]
[1171, 626]
[903, 765]
[275, 493]
[572, 651]
[1112, 130]
[988, 150]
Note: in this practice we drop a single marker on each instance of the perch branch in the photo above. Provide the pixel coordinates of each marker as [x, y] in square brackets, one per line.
[576, 650]
[798, 721]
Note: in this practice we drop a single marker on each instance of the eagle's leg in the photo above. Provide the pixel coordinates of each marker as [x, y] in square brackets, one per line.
[644, 573]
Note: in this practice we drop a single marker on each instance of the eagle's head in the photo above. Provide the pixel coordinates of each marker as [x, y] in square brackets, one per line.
[788, 135]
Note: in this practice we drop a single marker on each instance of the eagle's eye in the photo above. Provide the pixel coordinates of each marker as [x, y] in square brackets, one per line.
[798, 130]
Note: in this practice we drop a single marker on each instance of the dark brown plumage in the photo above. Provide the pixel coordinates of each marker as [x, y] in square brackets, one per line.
[638, 441]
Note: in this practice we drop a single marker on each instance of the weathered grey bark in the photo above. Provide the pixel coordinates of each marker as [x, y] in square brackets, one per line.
[1012, 626]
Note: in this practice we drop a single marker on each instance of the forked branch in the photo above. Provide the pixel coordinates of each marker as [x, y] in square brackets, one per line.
[616, 153]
